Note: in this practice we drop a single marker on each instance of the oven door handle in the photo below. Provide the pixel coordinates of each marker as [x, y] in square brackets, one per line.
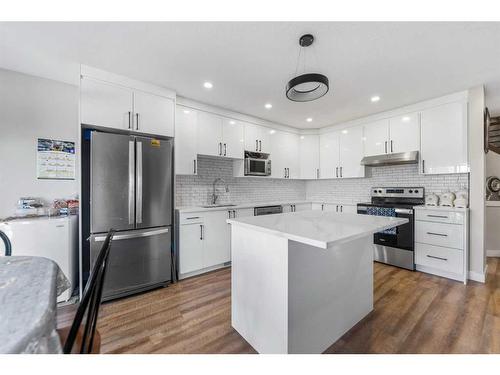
[406, 211]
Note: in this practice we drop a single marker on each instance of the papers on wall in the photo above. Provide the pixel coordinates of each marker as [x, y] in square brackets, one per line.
[55, 159]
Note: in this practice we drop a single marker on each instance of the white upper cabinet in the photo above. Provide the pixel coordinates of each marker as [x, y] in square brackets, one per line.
[106, 105]
[444, 139]
[113, 106]
[284, 155]
[329, 155]
[309, 157]
[404, 132]
[351, 152]
[257, 138]
[185, 140]
[153, 114]
[376, 137]
[233, 138]
[209, 134]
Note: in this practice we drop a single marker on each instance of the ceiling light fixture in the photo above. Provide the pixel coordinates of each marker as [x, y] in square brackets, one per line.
[186, 112]
[375, 98]
[306, 86]
[268, 105]
[208, 85]
[309, 119]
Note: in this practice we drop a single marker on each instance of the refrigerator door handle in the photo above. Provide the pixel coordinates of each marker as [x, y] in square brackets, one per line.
[138, 209]
[118, 237]
[131, 170]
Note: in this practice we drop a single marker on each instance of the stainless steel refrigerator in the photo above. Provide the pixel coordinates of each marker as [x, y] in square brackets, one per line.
[131, 191]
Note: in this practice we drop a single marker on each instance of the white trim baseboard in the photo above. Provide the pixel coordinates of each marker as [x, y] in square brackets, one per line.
[479, 277]
[493, 253]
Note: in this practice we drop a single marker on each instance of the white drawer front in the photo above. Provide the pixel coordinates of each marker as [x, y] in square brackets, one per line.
[447, 235]
[190, 218]
[439, 216]
[444, 259]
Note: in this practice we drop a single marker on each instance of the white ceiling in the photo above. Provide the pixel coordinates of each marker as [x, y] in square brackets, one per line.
[250, 63]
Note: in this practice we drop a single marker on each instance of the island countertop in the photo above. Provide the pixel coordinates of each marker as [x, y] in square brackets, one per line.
[319, 228]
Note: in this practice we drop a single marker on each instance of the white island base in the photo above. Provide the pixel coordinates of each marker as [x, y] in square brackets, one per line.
[291, 297]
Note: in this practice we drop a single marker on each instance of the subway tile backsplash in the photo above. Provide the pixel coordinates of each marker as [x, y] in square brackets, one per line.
[357, 190]
[197, 190]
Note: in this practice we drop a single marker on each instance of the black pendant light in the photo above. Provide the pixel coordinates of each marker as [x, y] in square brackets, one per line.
[307, 86]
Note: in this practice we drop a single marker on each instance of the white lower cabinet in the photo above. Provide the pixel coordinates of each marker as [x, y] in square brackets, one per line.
[441, 242]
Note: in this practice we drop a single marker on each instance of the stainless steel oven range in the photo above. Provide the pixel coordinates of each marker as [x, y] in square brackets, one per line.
[394, 246]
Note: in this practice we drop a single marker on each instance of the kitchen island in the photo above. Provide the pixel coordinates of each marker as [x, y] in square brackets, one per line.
[300, 280]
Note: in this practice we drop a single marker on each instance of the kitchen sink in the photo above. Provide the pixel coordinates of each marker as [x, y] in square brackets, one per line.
[218, 205]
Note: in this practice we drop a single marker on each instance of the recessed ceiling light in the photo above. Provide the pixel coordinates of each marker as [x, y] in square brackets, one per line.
[302, 137]
[375, 98]
[345, 131]
[232, 122]
[309, 119]
[208, 85]
[272, 131]
[186, 112]
[406, 119]
[268, 105]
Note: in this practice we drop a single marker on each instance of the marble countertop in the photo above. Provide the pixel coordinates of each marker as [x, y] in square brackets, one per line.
[187, 209]
[319, 228]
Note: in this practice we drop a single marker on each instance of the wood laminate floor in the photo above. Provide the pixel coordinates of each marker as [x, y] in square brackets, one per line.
[413, 313]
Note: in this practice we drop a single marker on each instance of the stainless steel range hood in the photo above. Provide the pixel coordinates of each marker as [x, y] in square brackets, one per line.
[398, 158]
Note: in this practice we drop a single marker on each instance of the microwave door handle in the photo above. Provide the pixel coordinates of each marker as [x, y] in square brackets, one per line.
[260, 145]
[256, 145]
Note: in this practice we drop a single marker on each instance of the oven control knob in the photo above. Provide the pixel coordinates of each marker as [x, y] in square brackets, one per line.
[411, 191]
[374, 191]
[380, 191]
[416, 191]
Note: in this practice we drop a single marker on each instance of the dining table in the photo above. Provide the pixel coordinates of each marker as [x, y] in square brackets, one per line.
[29, 287]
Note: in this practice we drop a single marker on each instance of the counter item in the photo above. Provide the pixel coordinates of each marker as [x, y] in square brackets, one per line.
[431, 200]
[462, 199]
[447, 199]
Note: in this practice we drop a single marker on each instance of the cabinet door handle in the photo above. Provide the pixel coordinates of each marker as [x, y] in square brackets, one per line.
[201, 231]
[234, 214]
[341, 172]
[136, 121]
[391, 145]
[423, 166]
[317, 173]
[225, 149]
[194, 166]
[192, 217]
[336, 208]
[437, 234]
[256, 145]
[260, 145]
[434, 257]
[220, 149]
[337, 172]
[386, 147]
[129, 118]
[439, 216]
[322, 206]
[341, 207]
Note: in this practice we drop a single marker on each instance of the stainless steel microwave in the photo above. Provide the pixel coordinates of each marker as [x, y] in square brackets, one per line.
[257, 164]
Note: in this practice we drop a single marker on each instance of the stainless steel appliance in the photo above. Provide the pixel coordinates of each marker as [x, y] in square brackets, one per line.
[131, 191]
[257, 164]
[397, 158]
[267, 210]
[394, 246]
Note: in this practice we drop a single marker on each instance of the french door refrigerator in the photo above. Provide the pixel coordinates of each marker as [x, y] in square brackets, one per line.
[131, 191]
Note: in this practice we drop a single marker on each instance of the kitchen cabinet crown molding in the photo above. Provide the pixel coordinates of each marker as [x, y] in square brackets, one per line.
[115, 79]
[189, 103]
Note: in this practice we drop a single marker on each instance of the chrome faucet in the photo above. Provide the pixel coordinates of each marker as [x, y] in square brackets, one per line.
[214, 195]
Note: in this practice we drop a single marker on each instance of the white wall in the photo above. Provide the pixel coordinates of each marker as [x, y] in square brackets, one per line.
[32, 107]
[477, 257]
